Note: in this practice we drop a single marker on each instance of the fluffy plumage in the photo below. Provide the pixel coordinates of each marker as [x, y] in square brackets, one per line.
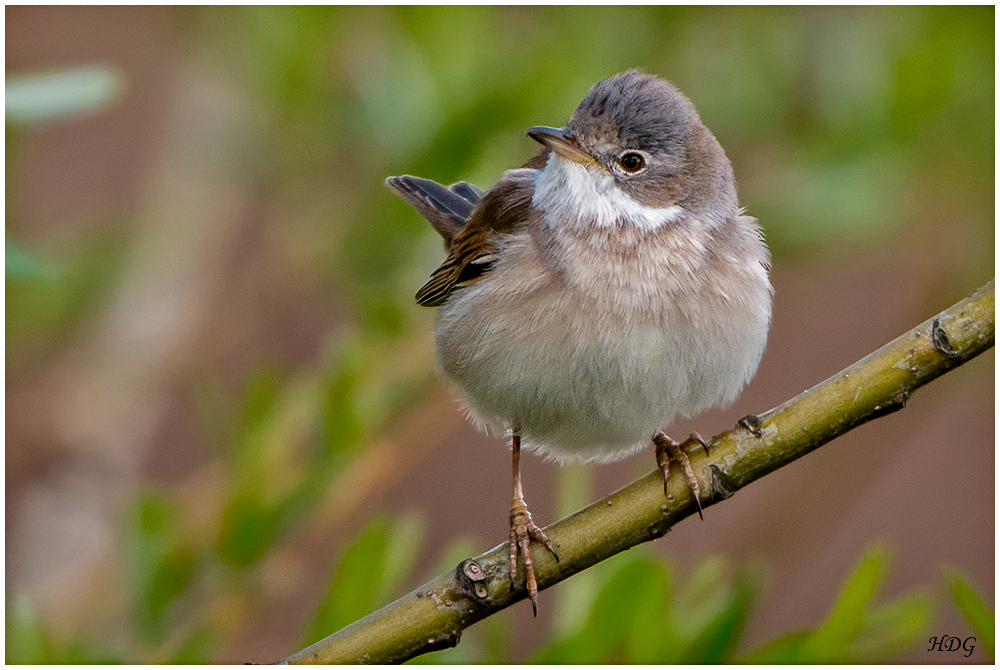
[584, 307]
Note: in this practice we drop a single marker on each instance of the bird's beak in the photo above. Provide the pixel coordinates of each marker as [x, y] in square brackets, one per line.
[562, 143]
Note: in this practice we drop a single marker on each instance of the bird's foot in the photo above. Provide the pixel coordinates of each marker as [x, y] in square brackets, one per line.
[522, 531]
[667, 450]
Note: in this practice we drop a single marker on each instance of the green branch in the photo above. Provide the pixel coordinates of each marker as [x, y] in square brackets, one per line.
[433, 616]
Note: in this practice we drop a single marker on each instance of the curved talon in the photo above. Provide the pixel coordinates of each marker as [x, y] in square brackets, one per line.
[667, 450]
[694, 440]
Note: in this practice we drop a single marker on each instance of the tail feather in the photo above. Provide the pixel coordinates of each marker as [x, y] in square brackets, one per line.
[468, 191]
[447, 208]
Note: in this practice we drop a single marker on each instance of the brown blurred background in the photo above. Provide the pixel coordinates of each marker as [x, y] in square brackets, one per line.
[218, 377]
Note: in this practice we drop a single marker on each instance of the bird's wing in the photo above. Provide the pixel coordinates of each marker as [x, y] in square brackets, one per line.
[471, 249]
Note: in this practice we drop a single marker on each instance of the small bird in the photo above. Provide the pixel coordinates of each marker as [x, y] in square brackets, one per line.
[607, 286]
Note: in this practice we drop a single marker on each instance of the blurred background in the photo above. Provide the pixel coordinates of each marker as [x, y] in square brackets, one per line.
[225, 438]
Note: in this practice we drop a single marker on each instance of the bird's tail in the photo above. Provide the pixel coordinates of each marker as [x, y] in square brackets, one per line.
[447, 208]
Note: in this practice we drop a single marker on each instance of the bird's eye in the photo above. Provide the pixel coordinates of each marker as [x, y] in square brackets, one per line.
[631, 161]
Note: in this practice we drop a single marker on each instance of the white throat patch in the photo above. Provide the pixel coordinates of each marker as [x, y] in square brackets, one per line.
[573, 195]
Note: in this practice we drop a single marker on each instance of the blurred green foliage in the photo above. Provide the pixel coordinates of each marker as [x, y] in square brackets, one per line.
[162, 563]
[370, 571]
[830, 114]
[833, 116]
[250, 520]
[640, 615]
[49, 296]
[48, 301]
[981, 618]
[27, 642]
[835, 119]
[854, 630]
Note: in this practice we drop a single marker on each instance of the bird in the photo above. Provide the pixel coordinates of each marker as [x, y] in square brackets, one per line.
[607, 286]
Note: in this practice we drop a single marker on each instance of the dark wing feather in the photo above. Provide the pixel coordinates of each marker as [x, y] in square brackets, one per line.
[468, 191]
[447, 208]
[471, 253]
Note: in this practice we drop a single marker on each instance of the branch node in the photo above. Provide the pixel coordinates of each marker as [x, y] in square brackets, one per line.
[939, 339]
[897, 403]
[448, 640]
[470, 578]
[720, 488]
[752, 423]
[656, 530]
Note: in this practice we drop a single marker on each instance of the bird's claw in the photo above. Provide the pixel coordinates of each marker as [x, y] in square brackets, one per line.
[667, 450]
[522, 531]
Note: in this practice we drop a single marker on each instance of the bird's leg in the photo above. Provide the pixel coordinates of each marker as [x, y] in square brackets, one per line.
[667, 450]
[523, 530]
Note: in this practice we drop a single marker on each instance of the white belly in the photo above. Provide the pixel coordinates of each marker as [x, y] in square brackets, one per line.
[591, 379]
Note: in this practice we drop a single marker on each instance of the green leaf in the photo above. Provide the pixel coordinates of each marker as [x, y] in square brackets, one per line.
[26, 642]
[890, 630]
[196, 649]
[854, 632]
[401, 549]
[248, 526]
[341, 424]
[612, 618]
[162, 564]
[169, 579]
[499, 635]
[371, 566]
[270, 486]
[701, 597]
[718, 638]
[981, 618]
[635, 619]
[784, 650]
[650, 638]
[259, 402]
[54, 95]
[828, 642]
[634, 595]
[48, 300]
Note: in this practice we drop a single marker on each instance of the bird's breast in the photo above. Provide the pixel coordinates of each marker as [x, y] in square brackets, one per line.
[589, 356]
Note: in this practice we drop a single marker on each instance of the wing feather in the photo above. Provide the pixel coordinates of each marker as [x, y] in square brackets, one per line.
[447, 208]
[469, 221]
